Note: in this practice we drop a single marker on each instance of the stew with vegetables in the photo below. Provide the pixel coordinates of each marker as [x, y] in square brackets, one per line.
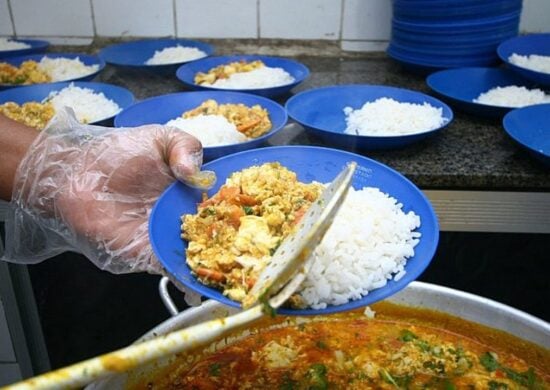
[401, 348]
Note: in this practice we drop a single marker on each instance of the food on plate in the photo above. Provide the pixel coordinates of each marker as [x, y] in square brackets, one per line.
[244, 75]
[512, 96]
[221, 124]
[388, 117]
[45, 71]
[8, 44]
[400, 348]
[175, 54]
[251, 121]
[534, 62]
[33, 114]
[88, 106]
[236, 231]
[28, 72]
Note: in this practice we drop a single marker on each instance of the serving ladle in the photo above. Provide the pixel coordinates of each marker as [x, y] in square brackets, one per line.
[279, 280]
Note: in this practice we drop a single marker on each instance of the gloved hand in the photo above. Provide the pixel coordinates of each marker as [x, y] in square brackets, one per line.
[91, 189]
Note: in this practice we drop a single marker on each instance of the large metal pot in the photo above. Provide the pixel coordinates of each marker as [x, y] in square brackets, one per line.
[418, 294]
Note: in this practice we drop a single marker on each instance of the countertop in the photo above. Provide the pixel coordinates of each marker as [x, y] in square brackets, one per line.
[470, 154]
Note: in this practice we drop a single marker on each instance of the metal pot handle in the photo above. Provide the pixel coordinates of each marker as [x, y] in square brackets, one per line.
[166, 298]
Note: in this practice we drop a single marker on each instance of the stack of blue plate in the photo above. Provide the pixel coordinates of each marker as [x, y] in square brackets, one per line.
[436, 34]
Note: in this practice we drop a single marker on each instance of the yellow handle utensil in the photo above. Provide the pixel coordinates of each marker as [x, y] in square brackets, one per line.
[282, 276]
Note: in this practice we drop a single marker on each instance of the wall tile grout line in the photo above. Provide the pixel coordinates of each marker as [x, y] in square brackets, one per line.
[12, 19]
[175, 18]
[258, 18]
[94, 27]
[341, 31]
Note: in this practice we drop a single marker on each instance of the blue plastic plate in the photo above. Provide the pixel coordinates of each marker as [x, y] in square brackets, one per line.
[461, 86]
[186, 73]
[36, 46]
[38, 92]
[162, 109]
[453, 10]
[135, 54]
[310, 163]
[530, 128]
[85, 58]
[321, 111]
[526, 45]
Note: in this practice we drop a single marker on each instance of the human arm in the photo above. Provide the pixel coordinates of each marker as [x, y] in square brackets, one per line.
[15, 139]
[91, 189]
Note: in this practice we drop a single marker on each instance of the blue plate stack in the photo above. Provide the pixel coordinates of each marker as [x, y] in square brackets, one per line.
[428, 35]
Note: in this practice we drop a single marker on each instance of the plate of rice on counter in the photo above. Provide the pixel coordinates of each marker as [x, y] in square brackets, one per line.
[224, 122]
[157, 55]
[529, 56]
[93, 103]
[48, 68]
[368, 117]
[487, 92]
[19, 47]
[260, 75]
[384, 236]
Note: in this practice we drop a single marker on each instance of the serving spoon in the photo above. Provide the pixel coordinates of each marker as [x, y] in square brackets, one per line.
[280, 279]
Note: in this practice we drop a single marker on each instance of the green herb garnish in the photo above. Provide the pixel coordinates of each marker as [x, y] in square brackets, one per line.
[317, 375]
[406, 335]
[214, 369]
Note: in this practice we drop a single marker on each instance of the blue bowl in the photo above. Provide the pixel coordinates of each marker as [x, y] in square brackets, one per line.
[161, 109]
[321, 111]
[428, 63]
[461, 27]
[39, 92]
[186, 73]
[36, 46]
[526, 45]
[135, 54]
[85, 58]
[453, 9]
[461, 86]
[530, 128]
[310, 163]
[466, 38]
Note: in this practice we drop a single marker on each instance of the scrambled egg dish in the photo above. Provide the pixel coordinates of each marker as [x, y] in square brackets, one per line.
[236, 231]
[251, 121]
[27, 73]
[32, 114]
[224, 71]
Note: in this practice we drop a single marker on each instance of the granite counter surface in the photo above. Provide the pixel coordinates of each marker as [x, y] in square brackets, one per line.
[470, 154]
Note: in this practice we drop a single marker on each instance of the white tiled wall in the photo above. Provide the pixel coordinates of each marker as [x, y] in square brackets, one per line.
[140, 18]
[217, 18]
[6, 27]
[361, 25]
[303, 19]
[52, 17]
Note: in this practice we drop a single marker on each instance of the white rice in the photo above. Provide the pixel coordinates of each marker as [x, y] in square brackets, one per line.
[8, 44]
[175, 54]
[387, 117]
[263, 77]
[211, 130]
[60, 69]
[534, 62]
[88, 105]
[512, 96]
[367, 244]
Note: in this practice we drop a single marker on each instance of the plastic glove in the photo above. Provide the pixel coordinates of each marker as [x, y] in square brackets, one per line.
[91, 189]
